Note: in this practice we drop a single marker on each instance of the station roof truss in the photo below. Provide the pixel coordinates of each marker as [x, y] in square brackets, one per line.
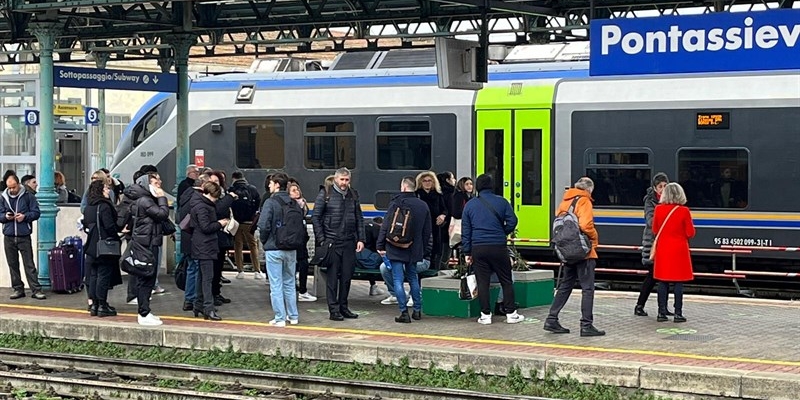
[130, 29]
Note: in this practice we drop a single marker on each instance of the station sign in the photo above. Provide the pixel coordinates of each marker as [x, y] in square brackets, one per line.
[92, 116]
[93, 78]
[31, 117]
[721, 41]
[69, 110]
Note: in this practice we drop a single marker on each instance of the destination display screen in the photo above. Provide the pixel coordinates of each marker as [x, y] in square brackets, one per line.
[713, 120]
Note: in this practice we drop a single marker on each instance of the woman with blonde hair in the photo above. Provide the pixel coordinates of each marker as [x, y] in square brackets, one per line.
[301, 266]
[61, 187]
[672, 227]
[429, 191]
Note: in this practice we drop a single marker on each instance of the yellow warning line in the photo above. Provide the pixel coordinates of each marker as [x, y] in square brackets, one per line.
[453, 339]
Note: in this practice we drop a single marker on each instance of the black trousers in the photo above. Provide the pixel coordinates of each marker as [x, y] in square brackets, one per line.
[204, 299]
[144, 286]
[340, 273]
[216, 283]
[582, 272]
[16, 246]
[302, 269]
[98, 277]
[488, 259]
[647, 286]
[444, 253]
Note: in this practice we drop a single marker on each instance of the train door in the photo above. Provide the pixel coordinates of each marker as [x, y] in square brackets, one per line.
[514, 147]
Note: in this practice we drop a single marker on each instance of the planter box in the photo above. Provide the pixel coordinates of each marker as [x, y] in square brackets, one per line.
[533, 288]
[440, 298]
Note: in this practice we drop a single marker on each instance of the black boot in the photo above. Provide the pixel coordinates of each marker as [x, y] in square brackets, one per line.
[662, 317]
[416, 315]
[188, 306]
[93, 308]
[403, 318]
[639, 311]
[212, 316]
[104, 311]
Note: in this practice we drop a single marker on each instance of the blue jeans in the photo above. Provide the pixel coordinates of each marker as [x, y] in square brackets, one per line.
[388, 279]
[281, 265]
[401, 271]
[191, 278]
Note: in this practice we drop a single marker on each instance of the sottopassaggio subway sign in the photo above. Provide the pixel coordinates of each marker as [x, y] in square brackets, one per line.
[724, 41]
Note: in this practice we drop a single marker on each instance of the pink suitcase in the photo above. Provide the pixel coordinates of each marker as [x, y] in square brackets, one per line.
[65, 269]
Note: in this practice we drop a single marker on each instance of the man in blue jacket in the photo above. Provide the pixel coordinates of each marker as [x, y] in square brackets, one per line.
[18, 210]
[405, 257]
[485, 225]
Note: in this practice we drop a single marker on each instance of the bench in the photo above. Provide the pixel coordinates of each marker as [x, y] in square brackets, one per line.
[360, 274]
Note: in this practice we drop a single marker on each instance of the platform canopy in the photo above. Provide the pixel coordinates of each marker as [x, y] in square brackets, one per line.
[130, 29]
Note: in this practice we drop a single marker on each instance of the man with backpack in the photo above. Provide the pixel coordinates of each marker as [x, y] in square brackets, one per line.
[578, 262]
[244, 208]
[405, 239]
[339, 223]
[282, 228]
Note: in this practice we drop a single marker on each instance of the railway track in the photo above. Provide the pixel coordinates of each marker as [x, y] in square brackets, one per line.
[91, 377]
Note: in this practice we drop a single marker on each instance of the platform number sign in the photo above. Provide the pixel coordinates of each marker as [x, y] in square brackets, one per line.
[92, 116]
[31, 117]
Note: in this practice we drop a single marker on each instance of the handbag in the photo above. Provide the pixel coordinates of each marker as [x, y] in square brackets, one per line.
[455, 232]
[653, 247]
[180, 273]
[107, 247]
[232, 227]
[138, 260]
[322, 254]
[167, 227]
[469, 286]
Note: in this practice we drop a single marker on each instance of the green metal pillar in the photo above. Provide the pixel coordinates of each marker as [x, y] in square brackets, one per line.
[46, 33]
[100, 60]
[181, 43]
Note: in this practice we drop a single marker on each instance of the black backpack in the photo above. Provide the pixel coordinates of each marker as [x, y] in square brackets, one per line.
[400, 233]
[247, 197]
[291, 230]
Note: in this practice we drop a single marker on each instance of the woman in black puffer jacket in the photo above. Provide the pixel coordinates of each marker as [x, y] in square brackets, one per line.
[205, 247]
[102, 272]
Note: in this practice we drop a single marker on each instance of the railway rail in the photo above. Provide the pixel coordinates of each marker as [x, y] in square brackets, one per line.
[111, 378]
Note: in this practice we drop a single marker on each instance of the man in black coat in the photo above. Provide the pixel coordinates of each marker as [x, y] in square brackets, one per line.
[191, 175]
[404, 260]
[338, 219]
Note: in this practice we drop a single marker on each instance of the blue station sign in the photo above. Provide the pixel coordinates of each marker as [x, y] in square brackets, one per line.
[114, 79]
[723, 41]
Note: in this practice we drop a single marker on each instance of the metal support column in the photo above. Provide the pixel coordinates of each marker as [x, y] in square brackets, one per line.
[181, 43]
[46, 33]
[100, 60]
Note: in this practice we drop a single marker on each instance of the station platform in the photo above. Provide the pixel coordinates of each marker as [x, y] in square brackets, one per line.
[729, 348]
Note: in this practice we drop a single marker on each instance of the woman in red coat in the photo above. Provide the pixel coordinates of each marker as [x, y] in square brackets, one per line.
[673, 227]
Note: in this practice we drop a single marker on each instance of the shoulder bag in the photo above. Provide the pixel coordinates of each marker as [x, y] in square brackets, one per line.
[653, 248]
[107, 247]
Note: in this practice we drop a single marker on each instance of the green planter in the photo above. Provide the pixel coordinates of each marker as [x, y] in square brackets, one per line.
[440, 298]
[533, 288]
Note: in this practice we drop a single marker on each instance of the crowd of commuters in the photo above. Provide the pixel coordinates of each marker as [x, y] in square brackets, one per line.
[439, 214]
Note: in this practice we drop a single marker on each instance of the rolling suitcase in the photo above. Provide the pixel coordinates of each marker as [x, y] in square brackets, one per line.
[78, 243]
[65, 269]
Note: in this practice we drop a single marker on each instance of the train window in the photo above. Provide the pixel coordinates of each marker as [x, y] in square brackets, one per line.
[621, 178]
[146, 127]
[330, 145]
[532, 167]
[404, 145]
[260, 144]
[714, 178]
[493, 157]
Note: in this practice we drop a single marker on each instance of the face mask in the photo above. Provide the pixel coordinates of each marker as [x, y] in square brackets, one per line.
[153, 190]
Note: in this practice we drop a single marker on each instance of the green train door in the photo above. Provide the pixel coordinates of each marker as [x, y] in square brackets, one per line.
[514, 147]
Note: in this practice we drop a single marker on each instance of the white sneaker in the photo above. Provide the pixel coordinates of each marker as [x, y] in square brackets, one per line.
[134, 302]
[158, 290]
[306, 297]
[389, 300]
[258, 275]
[514, 318]
[149, 320]
[374, 290]
[485, 319]
[240, 275]
[294, 321]
[279, 324]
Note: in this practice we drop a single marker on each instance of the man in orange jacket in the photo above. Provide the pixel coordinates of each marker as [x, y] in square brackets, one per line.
[582, 271]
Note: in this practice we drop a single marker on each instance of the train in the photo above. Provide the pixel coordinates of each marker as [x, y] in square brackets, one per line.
[730, 139]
